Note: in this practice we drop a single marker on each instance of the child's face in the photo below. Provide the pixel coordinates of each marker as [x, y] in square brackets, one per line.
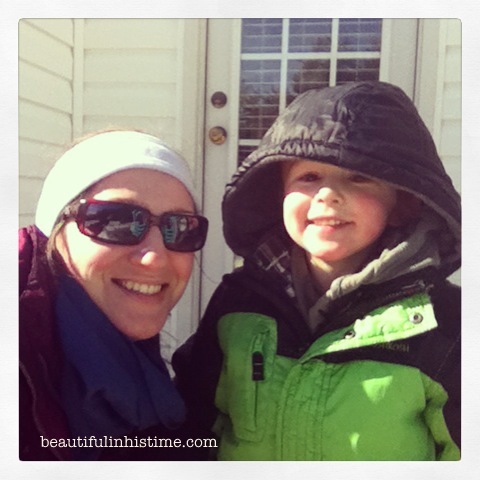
[334, 214]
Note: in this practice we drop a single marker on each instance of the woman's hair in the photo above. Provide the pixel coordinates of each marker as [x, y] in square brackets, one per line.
[54, 259]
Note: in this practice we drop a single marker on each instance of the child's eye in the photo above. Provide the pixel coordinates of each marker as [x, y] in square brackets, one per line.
[357, 178]
[309, 177]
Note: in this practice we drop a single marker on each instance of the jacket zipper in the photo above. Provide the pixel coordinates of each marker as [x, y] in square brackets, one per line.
[258, 371]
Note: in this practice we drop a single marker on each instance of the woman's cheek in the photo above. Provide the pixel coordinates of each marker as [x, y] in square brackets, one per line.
[84, 257]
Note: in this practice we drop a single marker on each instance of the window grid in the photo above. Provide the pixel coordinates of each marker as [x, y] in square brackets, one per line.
[299, 54]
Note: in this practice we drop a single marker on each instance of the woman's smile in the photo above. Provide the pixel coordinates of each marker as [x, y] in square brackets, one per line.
[142, 288]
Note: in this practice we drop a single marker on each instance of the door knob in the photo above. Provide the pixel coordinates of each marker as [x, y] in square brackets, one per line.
[217, 135]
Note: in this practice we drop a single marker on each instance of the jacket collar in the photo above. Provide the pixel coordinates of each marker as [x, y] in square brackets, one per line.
[39, 348]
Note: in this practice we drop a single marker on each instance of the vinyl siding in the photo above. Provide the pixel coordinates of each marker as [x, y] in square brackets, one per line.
[45, 103]
[439, 89]
[450, 104]
[449, 126]
[130, 73]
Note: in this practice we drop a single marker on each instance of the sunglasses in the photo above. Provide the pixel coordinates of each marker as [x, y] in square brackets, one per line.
[126, 224]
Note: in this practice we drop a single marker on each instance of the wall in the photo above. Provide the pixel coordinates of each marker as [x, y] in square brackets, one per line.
[45, 69]
[439, 89]
[448, 125]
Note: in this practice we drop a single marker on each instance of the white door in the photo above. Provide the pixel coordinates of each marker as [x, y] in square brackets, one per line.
[255, 67]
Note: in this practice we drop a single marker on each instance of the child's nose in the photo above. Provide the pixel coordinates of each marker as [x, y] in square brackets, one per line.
[331, 193]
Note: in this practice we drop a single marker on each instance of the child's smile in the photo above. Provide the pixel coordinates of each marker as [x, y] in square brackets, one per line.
[333, 213]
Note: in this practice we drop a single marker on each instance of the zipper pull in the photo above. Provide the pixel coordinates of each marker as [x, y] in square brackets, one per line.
[257, 367]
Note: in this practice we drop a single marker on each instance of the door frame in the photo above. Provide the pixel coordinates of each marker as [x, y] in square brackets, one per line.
[223, 74]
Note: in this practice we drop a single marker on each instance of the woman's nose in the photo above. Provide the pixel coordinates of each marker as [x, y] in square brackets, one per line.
[151, 252]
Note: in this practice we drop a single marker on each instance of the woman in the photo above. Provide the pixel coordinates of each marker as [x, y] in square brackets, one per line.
[97, 282]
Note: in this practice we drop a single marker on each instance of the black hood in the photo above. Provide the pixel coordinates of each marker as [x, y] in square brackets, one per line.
[369, 127]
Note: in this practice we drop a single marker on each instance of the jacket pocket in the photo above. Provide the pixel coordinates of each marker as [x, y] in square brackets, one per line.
[248, 342]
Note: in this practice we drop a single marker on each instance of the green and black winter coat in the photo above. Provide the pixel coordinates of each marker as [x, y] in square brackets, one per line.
[376, 375]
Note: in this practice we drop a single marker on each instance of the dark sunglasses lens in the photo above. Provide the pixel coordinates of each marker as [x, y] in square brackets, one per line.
[184, 233]
[113, 222]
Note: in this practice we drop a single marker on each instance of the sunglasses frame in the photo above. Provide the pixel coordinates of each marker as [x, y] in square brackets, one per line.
[152, 220]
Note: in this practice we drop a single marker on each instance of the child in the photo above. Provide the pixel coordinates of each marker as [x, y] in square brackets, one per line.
[339, 338]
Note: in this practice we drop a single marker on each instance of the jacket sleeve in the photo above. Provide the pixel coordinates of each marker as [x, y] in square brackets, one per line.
[447, 303]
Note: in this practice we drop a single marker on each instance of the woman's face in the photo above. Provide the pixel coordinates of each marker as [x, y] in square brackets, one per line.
[135, 286]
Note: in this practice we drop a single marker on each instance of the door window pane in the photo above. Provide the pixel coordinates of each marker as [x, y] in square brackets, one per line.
[303, 75]
[261, 35]
[357, 70]
[259, 97]
[310, 35]
[243, 152]
[281, 58]
[359, 34]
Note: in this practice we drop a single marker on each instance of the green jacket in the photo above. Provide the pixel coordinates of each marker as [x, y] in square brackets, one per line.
[372, 370]
[311, 408]
[382, 384]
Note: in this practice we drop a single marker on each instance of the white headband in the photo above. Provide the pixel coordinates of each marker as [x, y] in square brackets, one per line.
[98, 157]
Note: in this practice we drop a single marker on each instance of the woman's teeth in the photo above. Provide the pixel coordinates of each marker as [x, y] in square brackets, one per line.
[142, 288]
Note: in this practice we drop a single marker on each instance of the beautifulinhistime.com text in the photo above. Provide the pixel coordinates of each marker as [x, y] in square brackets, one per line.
[130, 442]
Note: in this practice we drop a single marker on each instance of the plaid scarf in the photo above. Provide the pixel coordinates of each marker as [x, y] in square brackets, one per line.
[274, 255]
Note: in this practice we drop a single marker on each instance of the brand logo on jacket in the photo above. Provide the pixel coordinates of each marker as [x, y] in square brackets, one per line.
[395, 346]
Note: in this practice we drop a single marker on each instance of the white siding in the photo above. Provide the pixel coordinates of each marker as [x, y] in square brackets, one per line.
[449, 125]
[450, 115]
[438, 90]
[130, 73]
[147, 74]
[45, 103]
